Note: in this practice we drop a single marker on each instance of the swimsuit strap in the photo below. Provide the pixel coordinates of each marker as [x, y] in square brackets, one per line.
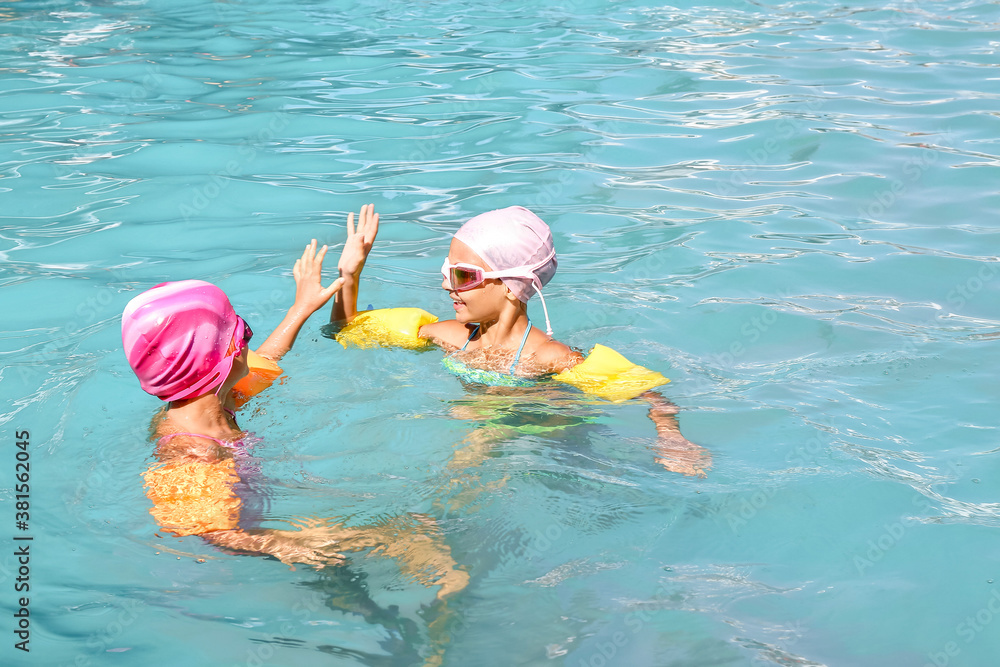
[195, 435]
[471, 335]
[517, 357]
[524, 339]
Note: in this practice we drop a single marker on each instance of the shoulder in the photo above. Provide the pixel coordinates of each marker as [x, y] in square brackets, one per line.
[174, 446]
[556, 357]
[448, 333]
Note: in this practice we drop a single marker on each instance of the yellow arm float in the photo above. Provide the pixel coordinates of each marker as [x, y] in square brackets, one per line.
[609, 375]
[263, 373]
[388, 327]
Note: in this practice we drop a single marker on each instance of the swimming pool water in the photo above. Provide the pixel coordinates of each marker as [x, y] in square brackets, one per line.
[790, 208]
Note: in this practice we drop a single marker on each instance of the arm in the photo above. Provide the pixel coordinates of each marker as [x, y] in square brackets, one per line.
[448, 334]
[415, 541]
[352, 261]
[674, 451]
[310, 296]
[287, 546]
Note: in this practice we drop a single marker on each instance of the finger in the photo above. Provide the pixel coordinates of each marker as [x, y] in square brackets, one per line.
[296, 271]
[333, 288]
[307, 258]
[327, 293]
[320, 255]
[371, 223]
[368, 228]
[350, 224]
[361, 222]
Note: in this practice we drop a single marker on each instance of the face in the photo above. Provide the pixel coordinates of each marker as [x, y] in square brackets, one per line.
[240, 367]
[239, 371]
[479, 304]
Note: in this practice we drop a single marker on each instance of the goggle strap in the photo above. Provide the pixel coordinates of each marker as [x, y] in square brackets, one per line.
[548, 326]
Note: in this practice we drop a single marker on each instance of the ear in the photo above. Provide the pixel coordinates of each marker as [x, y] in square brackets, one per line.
[510, 295]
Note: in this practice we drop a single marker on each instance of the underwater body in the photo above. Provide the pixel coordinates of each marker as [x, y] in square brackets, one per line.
[789, 209]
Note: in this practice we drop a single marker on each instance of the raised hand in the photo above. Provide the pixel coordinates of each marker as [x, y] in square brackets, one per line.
[310, 295]
[359, 241]
[352, 261]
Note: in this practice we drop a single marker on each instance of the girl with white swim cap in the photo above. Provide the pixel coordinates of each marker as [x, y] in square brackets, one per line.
[496, 262]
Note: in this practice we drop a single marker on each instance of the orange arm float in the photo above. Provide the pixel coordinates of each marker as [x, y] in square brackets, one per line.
[263, 373]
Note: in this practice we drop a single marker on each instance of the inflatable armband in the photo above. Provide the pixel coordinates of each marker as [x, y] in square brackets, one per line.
[607, 374]
[388, 327]
[263, 373]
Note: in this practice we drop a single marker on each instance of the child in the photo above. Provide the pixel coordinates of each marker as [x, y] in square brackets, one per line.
[496, 262]
[188, 347]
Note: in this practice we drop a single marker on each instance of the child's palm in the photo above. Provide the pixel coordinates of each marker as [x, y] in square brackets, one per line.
[308, 272]
[359, 241]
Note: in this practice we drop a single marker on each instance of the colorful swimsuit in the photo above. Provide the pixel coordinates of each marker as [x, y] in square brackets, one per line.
[195, 497]
[488, 377]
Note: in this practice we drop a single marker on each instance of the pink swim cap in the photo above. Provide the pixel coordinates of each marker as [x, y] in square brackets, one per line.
[179, 338]
[516, 240]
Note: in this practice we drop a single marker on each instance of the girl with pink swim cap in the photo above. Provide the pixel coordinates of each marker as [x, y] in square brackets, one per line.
[189, 348]
[496, 262]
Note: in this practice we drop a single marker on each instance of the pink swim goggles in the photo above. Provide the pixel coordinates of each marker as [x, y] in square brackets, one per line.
[240, 341]
[462, 277]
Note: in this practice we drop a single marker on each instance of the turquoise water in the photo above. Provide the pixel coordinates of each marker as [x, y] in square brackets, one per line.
[789, 208]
